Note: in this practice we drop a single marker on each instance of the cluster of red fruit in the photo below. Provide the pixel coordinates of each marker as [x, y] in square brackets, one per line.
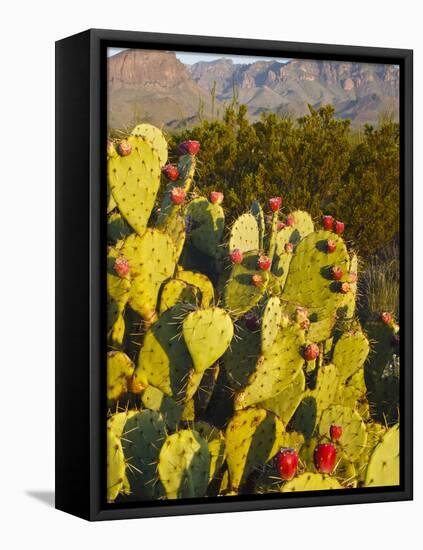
[324, 457]
[171, 172]
[330, 224]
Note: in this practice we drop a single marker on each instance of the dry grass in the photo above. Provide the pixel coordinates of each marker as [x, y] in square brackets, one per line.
[380, 280]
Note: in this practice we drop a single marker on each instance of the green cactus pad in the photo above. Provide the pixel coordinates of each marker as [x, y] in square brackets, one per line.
[350, 353]
[240, 361]
[164, 360]
[184, 465]
[176, 291]
[384, 465]
[205, 390]
[320, 331]
[270, 323]
[117, 481]
[111, 204]
[326, 388]
[292, 440]
[309, 281]
[252, 438]
[208, 334]
[349, 302]
[143, 435]
[257, 212]
[354, 435]
[303, 226]
[286, 403]
[188, 411]
[117, 228]
[375, 433]
[216, 443]
[276, 369]
[192, 384]
[119, 371]
[310, 481]
[345, 472]
[134, 181]
[155, 138]
[244, 234]
[175, 227]
[200, 281]
[208, 221]
[240, 294]
[305, 417]
[155, 400]
[117, 288]
[282, 258]
[152, 261]
[116, 467]
[116, 334]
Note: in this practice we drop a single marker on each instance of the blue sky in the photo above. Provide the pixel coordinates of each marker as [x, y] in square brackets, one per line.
[191, 58]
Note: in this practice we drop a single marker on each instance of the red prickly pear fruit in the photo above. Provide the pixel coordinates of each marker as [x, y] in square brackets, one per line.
[216, 197]
[344, 288]
[311, 352]
[339, 227]
[177, 195]
[328, 222]
[275, 203]
[121, 266]
[290, 220]
[263, 263]
[190, 147]
[236, 256]
[280, 226]
[336, 273]
[289, 248]
[252, 322]
[124, 148]
[386, 317]
[325, 457]
[330, 246]
[287, 463]
[257, 280]
[335, 432]
[171, 172]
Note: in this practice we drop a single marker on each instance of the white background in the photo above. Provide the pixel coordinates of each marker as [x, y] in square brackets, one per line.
[28, 32]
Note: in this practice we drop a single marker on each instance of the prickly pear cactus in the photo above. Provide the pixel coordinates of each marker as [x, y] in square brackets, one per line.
[207, 334]
[383, 468]
[310, 481]
[134, 180]
[228, 346]
[252, 438]
[184, 465]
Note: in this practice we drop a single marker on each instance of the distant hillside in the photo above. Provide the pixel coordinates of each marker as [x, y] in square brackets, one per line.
[156, 87]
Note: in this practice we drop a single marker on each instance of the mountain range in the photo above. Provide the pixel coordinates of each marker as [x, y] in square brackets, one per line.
[155, 86]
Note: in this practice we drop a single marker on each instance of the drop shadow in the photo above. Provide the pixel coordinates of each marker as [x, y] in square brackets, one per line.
[45, 497]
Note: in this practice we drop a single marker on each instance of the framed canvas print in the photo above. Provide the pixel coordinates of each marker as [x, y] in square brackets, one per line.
[234, 272]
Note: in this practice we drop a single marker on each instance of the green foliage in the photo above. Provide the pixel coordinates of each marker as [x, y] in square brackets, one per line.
[314, 163]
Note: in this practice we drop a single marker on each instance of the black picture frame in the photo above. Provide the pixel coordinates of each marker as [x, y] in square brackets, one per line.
[80, 274]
